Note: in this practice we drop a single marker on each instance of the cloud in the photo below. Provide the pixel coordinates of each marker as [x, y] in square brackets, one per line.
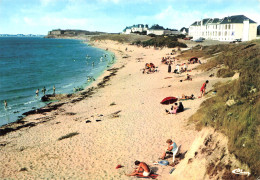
[46, 2]
[113, 1]
[67, 23]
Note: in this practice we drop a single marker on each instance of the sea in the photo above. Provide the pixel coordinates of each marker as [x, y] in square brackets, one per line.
[31, 63]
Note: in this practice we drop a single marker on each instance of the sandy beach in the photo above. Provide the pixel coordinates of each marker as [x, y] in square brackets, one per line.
[133, 126]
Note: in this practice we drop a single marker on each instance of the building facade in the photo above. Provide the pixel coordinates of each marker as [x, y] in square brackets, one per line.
[226, 29]
[159, 30]
[135, 28]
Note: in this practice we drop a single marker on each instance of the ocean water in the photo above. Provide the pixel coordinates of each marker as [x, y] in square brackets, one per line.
[28, 64]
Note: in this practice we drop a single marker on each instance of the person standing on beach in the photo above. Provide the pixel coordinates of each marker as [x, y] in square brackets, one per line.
[37, 92]
[185, 67]
[142, 169]
[203, 88]
[44, 90]
[169, 68]
[54, 89]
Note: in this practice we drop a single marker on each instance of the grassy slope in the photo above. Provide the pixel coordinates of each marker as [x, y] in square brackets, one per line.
[157, 41]
[240, 122]
[122, 38]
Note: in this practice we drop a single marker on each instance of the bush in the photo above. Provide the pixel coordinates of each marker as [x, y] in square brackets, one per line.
[225, 72]
[163, 41]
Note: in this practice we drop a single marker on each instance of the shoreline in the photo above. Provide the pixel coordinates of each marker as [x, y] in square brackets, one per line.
[61, 97]
[133, 124]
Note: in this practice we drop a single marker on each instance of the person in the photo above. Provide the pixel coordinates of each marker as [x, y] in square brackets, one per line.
[185, 67]
[180, 107]
[44, 90]
[203, 88]
[173, 109]
[188, 78]
[37, 92]
[142, 169]
[169, 68]
[54, 89]
[172, 146]
[177, 68]
[5, 103]
[187, 97]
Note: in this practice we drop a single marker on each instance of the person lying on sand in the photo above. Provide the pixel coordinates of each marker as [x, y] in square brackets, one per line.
[183, 97]
[172, 146]
[142, 169]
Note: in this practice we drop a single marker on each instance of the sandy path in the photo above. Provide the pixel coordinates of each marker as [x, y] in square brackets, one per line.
[139, 133]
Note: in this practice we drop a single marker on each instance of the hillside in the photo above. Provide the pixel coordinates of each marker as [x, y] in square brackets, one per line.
[70, 33]
[235, 108]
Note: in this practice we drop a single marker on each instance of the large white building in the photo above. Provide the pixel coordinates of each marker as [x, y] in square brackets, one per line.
[135, 28]
[159, 30]
[226, 29]
[155, 29]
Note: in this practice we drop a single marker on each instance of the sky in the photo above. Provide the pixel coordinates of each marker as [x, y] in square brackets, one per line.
[41, 16]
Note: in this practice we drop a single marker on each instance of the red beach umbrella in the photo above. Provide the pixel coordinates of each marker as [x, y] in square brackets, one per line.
[169, 100]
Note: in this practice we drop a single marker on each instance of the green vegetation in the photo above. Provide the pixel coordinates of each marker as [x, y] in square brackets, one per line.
[156, 41]
[68, 135]
[236, 107]
[122, 38]
[162, 41]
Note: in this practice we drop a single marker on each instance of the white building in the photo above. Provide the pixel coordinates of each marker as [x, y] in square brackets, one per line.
[226, 29]
[159, 30]
[136, 28]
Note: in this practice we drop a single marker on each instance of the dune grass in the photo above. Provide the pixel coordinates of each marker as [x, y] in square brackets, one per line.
[122, 38]
[239, 121]
[162, 41]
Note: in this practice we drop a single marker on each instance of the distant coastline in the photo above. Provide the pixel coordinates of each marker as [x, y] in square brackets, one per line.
[21, 35]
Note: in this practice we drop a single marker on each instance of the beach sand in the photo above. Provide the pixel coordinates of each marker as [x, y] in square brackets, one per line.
[134, 125]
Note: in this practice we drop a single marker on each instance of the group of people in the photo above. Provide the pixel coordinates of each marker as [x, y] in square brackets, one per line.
[44, 91]
[179, 69]
[149, 68]
[175, 108]
[168, 60]
[143, 169]
[37, 94]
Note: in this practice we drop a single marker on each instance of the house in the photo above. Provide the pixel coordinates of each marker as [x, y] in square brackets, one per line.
[184, 30]
[138, 28]
[225, 29]
[160, 30]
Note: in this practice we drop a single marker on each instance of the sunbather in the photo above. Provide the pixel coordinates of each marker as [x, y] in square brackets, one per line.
[142, 169]
[172, 146]
[187, 97]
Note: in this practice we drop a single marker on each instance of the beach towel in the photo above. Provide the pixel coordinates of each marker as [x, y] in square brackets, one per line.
[152, 175]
